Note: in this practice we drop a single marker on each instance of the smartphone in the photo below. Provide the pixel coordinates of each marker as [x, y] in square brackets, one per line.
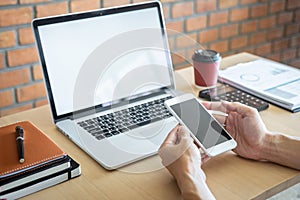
[206, 131]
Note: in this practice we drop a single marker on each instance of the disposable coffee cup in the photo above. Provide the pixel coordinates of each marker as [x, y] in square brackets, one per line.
[206, 65]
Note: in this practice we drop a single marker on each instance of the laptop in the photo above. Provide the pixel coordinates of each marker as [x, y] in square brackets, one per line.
[107, 73]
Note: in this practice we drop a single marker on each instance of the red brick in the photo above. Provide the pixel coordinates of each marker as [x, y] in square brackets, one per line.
[280, 45]
[7, 39]
[31, 92]
[22, 56]
[139, 1]
[239, 14]
[285, 17]
[277, 6]
[229, 31]
[82, 5]
[15, 110]
[263, 50]
[7, 2]
[190, 52]
[41, 103]
[175, 26]
[259, 11]
[248, 1]
[238, 42]
[293, 4]
[182, 9]
[177, 57]
[288, 54]
[258, 37]
[111, 3]
[51, 9]
[6, 98]
[268, 22]
[37, 72]
[248, 27]
[196, 23]
[165, 1]
[295, 63]
[13, 78]
[220, 46]
[26, 36]
[249, 49]
[1, 60]
[274, 56]
[292, 29]
[275, 33]
[218, 18]
[295, 41]
[297, 15]
[186, 40]
[227, 3]
[166, 12]
[171, 41]
[206, 5]
[208, 35]
[32, 1]
[10, 17]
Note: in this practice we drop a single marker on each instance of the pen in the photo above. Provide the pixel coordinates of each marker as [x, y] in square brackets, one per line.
[20, 143]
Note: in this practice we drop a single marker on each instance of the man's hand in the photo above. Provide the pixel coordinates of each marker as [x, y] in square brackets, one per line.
[244, 124]
[183, 160]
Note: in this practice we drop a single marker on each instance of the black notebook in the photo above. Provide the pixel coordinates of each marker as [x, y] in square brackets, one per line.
[43, 182]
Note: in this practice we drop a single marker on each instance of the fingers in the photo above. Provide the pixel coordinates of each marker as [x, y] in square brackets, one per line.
[170, 152]
[215, 106]
[206, 104]
[239, 108]
[218, 107]
[204, 158]
[172, 137]
[181, 133]
[228, 107]
[221, 119]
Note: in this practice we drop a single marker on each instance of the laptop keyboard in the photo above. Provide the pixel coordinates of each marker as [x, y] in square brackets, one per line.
[127, 119]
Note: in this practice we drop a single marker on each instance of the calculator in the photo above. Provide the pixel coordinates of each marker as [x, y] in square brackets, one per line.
[231, 94]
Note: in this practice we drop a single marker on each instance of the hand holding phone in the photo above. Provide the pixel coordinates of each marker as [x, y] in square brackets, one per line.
[206, 131]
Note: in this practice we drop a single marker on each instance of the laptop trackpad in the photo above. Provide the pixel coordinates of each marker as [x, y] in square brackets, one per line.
[144, 140]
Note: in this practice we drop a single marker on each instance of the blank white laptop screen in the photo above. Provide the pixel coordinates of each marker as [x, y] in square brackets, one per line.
[68, 46]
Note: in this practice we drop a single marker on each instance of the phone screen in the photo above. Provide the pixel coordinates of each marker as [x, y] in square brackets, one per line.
[200, 123]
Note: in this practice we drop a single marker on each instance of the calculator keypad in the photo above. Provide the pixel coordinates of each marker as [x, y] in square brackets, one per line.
[228, 93]
[239, 96]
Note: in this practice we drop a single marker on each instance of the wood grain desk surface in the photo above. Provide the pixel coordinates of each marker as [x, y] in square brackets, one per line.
[228, 176]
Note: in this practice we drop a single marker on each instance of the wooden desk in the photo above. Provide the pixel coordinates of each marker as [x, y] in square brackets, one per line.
[228, 176]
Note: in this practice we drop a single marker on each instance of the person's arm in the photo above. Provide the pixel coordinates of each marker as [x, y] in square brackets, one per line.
[281, 149]
[253, 139]
[193, 186]
[183, 160]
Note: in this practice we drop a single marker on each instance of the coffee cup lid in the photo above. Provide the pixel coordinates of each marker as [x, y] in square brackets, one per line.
[206, 56]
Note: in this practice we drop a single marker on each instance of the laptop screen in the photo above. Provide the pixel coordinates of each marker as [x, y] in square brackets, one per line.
[103, 56]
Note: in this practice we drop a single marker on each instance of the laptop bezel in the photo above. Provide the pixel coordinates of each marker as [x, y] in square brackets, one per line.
[84, 15]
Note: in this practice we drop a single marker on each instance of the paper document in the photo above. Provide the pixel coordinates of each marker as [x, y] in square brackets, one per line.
[275, 82]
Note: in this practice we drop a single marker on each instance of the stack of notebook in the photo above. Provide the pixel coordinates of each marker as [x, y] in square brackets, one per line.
[45, 164]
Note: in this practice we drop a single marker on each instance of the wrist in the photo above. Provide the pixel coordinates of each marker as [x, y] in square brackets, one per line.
[282, 149]
[193, 186]
[269, 146]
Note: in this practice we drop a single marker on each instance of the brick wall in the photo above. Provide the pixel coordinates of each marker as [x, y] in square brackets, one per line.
[267, 28]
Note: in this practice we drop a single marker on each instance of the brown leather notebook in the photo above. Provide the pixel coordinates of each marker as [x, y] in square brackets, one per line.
[39, 150]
